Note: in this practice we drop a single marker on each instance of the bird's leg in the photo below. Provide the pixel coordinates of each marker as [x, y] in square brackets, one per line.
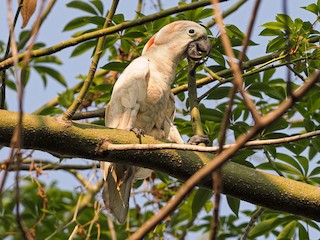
[199, 138]
[139, 133]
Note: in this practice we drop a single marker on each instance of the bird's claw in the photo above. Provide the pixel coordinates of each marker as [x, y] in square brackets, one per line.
[197, 139]
[139, 132]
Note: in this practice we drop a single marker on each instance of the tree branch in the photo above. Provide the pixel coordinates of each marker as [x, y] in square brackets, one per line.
[91, 142]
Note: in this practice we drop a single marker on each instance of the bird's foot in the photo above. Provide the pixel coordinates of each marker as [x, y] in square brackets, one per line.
[197, 139]
[139, 132]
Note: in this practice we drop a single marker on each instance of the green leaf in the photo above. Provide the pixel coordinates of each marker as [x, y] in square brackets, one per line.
[11, 84]
[159, 23]
[133, 35]
[115, 66]
[303, 234]
[275, 25]
[52, 73]
[270, 32]
[233, 30]
[309, 125]
[163, 177]
[51, 111]
[76, 23]
[312, 8]
[316, 143]
[219, 93]
[267, 75]
[126, 45]
[104, 87]
[285, 19]
[110, 41]
[118, 18]
[312, 153]
[277, 125]
[48, 59]
[276, 44]
[264, 227]
[82, 5]
[97, 20]
[288, 231]
[200, 198]
[304, 162]
[99, 5]
[83, 47]
[65, 99]
[234, 204]
[217, 56]
[315, 171]
[290, 160]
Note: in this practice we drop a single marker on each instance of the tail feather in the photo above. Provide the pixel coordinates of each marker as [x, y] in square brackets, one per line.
[117, 188]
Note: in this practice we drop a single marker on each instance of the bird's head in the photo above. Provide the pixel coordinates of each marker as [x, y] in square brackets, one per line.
[182, 38]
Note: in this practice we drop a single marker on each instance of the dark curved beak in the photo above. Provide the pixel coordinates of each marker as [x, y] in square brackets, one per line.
[199, 49]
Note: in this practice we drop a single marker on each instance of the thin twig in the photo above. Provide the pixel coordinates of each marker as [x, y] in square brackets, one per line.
[251, 144]
[17, 135]
[238, 79]
[273, 165]
[253, 219]
[6, 55]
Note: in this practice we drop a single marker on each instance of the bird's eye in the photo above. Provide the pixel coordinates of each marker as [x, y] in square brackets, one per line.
[191, 31]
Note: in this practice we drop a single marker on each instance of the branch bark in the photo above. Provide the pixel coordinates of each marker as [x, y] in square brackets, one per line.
[52, 135]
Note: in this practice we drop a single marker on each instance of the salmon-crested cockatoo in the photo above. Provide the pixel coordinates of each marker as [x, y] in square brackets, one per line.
[142, 99]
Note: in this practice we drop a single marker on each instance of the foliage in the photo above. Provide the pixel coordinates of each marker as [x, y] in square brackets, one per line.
[295, 43]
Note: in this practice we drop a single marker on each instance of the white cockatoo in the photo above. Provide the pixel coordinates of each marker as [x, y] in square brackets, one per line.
[142, 99]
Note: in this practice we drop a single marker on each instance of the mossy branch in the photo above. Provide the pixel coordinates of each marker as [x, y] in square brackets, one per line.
[52, 135]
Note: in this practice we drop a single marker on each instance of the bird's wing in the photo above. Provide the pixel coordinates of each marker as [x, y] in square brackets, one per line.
[128, 92]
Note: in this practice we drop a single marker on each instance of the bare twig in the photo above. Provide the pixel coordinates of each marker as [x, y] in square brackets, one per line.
[249, 144]
[234, 67]
[273, 165]
[253, 219]
[6, 55]
[17, 135]
[238, 80]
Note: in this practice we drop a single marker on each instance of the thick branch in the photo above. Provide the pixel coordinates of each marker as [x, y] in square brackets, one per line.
[91, 142]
